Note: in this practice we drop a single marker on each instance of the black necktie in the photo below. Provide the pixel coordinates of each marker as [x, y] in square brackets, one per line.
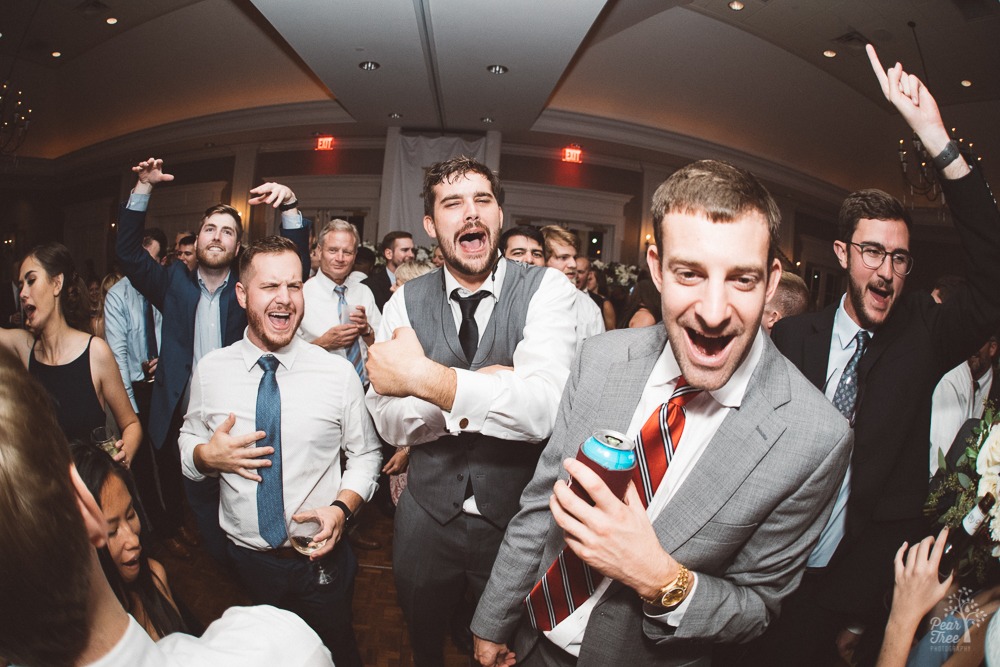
[151, 350]
[468, 333]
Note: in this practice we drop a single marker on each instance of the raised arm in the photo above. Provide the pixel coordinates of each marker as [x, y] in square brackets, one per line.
[145, 273]
[293, 226]
[917, 106]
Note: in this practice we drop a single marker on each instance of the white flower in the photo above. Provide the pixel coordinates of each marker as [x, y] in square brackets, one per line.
[990, 483]
[989, 453]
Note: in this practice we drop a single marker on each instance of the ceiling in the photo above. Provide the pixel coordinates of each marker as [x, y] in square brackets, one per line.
[626, 79]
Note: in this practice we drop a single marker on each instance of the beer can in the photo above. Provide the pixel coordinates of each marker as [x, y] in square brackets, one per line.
[612, 456]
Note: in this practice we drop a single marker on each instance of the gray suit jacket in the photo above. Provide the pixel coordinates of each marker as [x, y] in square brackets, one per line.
[744, 520]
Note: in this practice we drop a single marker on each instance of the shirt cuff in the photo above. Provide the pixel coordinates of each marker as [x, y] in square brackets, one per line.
[137, 202]
[188, 467]
[292, 219]
[672, 617]
[473, 397]
[360, 483]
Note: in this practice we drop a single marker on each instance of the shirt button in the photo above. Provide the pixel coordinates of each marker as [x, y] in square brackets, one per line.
[460, 477]
[463, 423]
[454, 505]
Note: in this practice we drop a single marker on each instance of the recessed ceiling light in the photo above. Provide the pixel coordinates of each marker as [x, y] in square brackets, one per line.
[111, 20]
[497, 69]
[966, 83]
[486, 119]
[369, 65]
[736, 5]
[395, 116]
[830, 53]
[56, 54]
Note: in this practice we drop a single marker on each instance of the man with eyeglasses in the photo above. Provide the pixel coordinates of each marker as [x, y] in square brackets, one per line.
[878, 354]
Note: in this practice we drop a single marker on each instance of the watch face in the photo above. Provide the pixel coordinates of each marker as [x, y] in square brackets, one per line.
[672, 597]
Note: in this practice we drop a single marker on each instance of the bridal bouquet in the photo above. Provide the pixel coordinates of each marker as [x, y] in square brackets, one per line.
[958, 485]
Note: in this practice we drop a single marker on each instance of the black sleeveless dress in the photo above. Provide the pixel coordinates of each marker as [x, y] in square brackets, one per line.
[72, 390]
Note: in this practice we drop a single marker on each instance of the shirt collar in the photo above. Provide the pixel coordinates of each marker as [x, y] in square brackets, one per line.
[201, 283]
[666, 371]
[493, 283]
[286, 355]
[844, 328]
[326, 282]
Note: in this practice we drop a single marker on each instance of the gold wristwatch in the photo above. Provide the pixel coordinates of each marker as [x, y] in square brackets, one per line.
[672, 594]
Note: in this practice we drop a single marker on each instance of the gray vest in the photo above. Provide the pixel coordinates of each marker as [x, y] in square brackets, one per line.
[498, 469]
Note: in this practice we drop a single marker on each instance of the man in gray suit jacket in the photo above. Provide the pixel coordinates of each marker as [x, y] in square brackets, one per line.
[743, 497]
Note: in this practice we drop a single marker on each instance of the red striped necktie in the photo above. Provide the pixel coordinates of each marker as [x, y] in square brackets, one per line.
[569, 582]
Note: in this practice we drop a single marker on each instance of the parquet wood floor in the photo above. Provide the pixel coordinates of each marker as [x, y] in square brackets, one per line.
[208, 590]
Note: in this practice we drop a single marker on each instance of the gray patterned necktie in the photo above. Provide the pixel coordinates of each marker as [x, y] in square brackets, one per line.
[353, 352]
[846, 396]
[270, 496]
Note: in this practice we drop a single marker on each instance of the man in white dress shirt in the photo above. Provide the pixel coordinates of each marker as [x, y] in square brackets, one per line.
[56, 605]
[322, 413]
[958, 397]
[487, 345]
[333, 322]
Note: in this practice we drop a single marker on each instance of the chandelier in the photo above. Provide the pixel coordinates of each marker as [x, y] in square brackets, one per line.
[15, 117]
[919, 173]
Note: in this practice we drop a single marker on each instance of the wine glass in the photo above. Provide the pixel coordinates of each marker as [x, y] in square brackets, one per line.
[104, 437]
[300, 534]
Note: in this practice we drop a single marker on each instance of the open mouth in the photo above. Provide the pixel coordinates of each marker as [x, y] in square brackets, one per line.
[280, 319]
[709, 348]
[28, 311]
[473, 241]
[880, 295]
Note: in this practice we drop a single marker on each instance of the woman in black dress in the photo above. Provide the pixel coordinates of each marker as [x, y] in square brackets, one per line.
[78, 369]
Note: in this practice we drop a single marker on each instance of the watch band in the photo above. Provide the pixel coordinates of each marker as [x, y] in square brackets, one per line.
[289, 206]
[672, 593]
[946, 156]
[343, 508]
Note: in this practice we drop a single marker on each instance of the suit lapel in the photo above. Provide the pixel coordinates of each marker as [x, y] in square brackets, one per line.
[743, 439]
[816, 355]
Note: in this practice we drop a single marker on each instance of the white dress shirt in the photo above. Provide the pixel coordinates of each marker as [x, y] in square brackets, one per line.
[258, 636]
[515, 405]
[322, 308]
[956, 399]
[704, 415]
[842, 344]
[322, 413]
[512, 405]
[589, 318]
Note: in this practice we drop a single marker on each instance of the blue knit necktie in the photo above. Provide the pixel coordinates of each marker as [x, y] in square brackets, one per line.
[846, 396]
[354, 351]
[270, 501]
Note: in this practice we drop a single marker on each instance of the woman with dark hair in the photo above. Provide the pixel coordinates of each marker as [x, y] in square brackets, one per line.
[139, 582]
[77, 369]
[644, 307]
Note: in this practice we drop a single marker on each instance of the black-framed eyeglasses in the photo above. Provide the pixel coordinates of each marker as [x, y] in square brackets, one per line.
[874, 255]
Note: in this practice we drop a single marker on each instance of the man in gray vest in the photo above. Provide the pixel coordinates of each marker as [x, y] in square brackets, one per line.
[468, 368]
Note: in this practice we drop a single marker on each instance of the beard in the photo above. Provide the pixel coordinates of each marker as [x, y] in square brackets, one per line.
[856, 293]
[273, 340]
[214, 261]
[466, 266]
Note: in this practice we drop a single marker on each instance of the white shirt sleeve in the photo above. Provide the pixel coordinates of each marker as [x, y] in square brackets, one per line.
[515, 405]
[195, 430]
[361, 445]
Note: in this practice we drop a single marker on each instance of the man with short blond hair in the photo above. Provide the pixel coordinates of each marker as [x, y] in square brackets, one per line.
[561, 247]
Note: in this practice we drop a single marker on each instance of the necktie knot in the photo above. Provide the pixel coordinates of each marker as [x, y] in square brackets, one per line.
[683, 393]
[340, 289]
[861, 341]
[268, 362]
[468, 304]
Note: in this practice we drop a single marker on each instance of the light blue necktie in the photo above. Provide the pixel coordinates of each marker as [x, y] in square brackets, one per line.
[354, 351]
[846, 396]
[270, 501]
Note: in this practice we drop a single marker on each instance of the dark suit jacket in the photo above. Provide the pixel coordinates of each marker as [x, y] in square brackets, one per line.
[378, 283]
[8, 304]
[744, 520]
[175, 292]
[907, 356]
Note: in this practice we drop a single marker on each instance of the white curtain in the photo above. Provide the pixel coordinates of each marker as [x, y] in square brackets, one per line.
[403, 178]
